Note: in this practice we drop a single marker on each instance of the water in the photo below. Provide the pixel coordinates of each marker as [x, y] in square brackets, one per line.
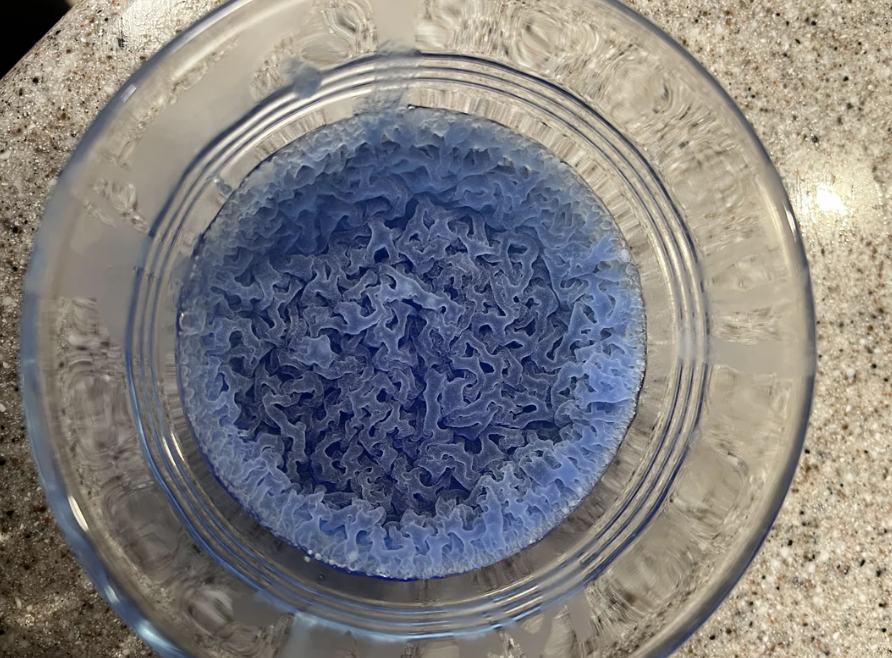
[411, 343]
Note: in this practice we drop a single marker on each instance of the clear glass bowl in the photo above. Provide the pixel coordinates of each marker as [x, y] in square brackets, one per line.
[722, 412]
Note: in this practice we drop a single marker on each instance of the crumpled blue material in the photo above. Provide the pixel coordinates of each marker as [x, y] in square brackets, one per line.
[410, 343]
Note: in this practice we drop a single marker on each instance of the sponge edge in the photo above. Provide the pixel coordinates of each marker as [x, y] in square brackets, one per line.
[410, 343]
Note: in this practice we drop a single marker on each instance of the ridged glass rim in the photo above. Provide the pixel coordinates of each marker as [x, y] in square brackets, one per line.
[66, 510]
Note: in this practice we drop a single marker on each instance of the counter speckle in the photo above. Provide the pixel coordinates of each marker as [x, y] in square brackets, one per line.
[812, 78]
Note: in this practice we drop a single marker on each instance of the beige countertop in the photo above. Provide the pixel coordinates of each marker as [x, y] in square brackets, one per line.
[814, 80]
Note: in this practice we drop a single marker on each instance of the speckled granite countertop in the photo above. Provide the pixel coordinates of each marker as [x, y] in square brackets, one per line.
[814, 80]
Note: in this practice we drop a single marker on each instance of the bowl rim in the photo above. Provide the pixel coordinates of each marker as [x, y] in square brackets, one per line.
[64, 507]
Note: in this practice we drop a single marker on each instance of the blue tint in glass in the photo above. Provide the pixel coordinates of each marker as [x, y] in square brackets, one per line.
[411, 343]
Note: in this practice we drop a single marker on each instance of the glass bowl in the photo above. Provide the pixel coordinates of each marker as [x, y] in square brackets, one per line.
[721, 415]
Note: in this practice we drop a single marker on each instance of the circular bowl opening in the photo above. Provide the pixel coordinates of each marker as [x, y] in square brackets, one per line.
[627, 562]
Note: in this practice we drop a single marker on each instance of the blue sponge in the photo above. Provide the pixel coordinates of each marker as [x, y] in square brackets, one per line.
[410, 343]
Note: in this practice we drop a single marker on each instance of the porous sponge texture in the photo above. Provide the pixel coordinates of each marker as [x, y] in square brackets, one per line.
[410, 343]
